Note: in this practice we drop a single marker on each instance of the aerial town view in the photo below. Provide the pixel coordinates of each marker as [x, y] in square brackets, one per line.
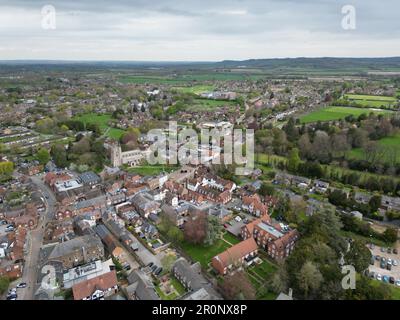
[187, 150]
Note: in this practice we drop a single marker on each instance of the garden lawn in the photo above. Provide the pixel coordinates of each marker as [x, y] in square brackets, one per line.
[177, 285]
[231, 238]
[337, 113]
[195, 89]
[202, 253]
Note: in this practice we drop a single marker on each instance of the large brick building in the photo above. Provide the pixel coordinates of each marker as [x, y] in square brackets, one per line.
[236, 256]
[277, 240]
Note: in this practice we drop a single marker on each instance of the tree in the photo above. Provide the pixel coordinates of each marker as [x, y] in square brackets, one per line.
[375, 203]
[168, 261]
[294, 160]
[266, 189]
[59, 155]
[6, 168]
[43, 156]
[237, 287]
[213, 230]
[358, 256]
[195, 229]
[4, 283]
[309, 278]
[390, 235]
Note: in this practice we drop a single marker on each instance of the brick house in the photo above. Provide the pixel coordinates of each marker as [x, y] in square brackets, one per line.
[236, 256]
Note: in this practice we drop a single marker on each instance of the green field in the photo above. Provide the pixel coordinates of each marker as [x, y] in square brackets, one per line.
[209, 105]
[231, 238]
[336, 113]
[372, 101]
[102, 120]
[392, 145]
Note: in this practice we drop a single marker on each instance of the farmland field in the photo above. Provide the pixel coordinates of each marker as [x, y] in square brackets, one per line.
[336, 113]
[371, 101]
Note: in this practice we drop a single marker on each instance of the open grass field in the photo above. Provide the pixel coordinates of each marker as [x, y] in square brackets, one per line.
[209, 105]
[372, 101]
[231, 238]
[392, 144]
[102, 120]
[336, 113]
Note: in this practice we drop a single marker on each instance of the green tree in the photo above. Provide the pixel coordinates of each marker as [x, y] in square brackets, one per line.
[358, 256]
[309, 278]
[4, 283]
[43, 156]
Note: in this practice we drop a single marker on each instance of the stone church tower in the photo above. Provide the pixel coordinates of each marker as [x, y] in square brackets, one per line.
[116, 155]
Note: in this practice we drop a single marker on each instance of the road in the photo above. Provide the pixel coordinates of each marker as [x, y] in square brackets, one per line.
[35, 240]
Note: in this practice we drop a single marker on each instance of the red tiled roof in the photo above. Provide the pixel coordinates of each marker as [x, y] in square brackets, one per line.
[236, 252]
[86, 288]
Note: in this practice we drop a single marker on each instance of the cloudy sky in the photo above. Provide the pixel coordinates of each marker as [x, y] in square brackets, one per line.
[203, 30]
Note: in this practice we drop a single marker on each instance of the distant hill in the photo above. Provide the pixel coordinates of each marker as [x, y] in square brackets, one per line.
[365, 64]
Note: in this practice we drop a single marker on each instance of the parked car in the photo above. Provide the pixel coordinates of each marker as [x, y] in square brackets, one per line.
[3, 222]
[391, 280]
[395, 251]
[389, 250]
[158, 271]
[398, 283]
[150, 264]
[12, 297]
[389, 266]
[371, 246]
[383, 264]
[389, 261]
[371, 274]
[372, 261]
[379, 277]
[21, 285]
[382, 249]
[377, 258]
[383, 259]
[154, 268]
[225, 226]
[238, 219]
[385, 279]
[394, 262]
